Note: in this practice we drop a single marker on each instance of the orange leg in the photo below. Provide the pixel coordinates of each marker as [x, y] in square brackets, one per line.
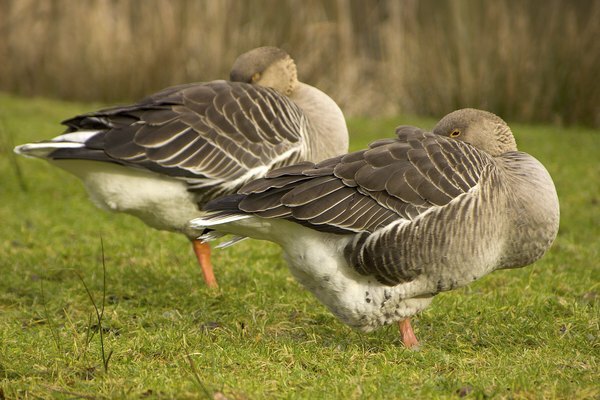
[408, 336]
[202, 251]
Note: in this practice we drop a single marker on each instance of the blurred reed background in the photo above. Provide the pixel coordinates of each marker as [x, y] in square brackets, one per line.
[535, 60]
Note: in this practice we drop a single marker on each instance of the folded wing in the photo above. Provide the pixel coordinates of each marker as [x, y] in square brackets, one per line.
[366, 190]
[207, 134]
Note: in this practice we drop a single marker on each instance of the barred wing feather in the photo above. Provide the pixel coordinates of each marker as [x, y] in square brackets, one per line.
[204, 133]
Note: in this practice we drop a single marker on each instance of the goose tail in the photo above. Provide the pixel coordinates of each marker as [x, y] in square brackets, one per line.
[44, 149]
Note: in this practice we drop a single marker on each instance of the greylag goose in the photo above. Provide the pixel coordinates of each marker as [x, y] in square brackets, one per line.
[164, 157]
[375, 234]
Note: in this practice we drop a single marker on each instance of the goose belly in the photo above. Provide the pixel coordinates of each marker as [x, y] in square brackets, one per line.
[161, 202]
[360, 302]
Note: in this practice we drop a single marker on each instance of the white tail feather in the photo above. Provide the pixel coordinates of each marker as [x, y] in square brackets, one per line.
[76, 137]
[44, 148]
[214, 235]
[210, 236]
[73, 140]
[231, 242]
[208, 221]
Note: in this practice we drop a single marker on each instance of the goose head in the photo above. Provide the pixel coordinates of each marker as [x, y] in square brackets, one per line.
[481, 129]
[266, 66]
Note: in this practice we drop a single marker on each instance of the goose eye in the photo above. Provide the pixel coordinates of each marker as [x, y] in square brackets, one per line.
[255, 77]
[455, 133]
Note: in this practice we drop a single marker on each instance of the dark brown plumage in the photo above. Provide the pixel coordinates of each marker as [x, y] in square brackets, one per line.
[213, 131]
[366, 190]
[163, 157]
[387, 228]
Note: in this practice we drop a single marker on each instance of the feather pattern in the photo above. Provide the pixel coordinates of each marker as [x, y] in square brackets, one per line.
[202, 140]
[216, 131]
[377, 233]
[367, 190]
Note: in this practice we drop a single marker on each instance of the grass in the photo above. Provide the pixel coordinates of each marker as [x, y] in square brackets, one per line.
[144, 326]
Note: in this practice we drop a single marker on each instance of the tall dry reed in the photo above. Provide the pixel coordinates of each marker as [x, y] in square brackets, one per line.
[537, 60]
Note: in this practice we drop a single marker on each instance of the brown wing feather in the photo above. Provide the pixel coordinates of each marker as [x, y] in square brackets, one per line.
[209, 131]
[369, 189]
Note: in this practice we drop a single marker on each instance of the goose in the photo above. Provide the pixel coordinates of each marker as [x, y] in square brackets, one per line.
[163, 157]
[376, 234]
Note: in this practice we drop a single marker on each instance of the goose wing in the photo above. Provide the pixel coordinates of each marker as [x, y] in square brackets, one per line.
[207, 134]
[367, 190]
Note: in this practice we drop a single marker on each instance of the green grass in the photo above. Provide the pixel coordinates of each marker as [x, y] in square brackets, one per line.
[523, 334]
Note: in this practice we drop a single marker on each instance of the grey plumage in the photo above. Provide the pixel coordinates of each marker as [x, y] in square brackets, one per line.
[202, 133]
[369, 189]
[163, 157]
[213, 137]
[422, 213]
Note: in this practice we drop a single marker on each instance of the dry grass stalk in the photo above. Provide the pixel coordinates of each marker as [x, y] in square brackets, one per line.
[533, 61]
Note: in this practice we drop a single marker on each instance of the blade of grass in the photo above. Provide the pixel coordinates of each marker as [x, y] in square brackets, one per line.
[99, 313]
[197, 377]
[10, 144]
[51, 324]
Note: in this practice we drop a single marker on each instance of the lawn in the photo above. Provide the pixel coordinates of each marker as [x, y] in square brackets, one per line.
[524, 334]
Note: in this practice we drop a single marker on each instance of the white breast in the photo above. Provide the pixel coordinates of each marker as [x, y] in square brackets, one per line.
[316, 260]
